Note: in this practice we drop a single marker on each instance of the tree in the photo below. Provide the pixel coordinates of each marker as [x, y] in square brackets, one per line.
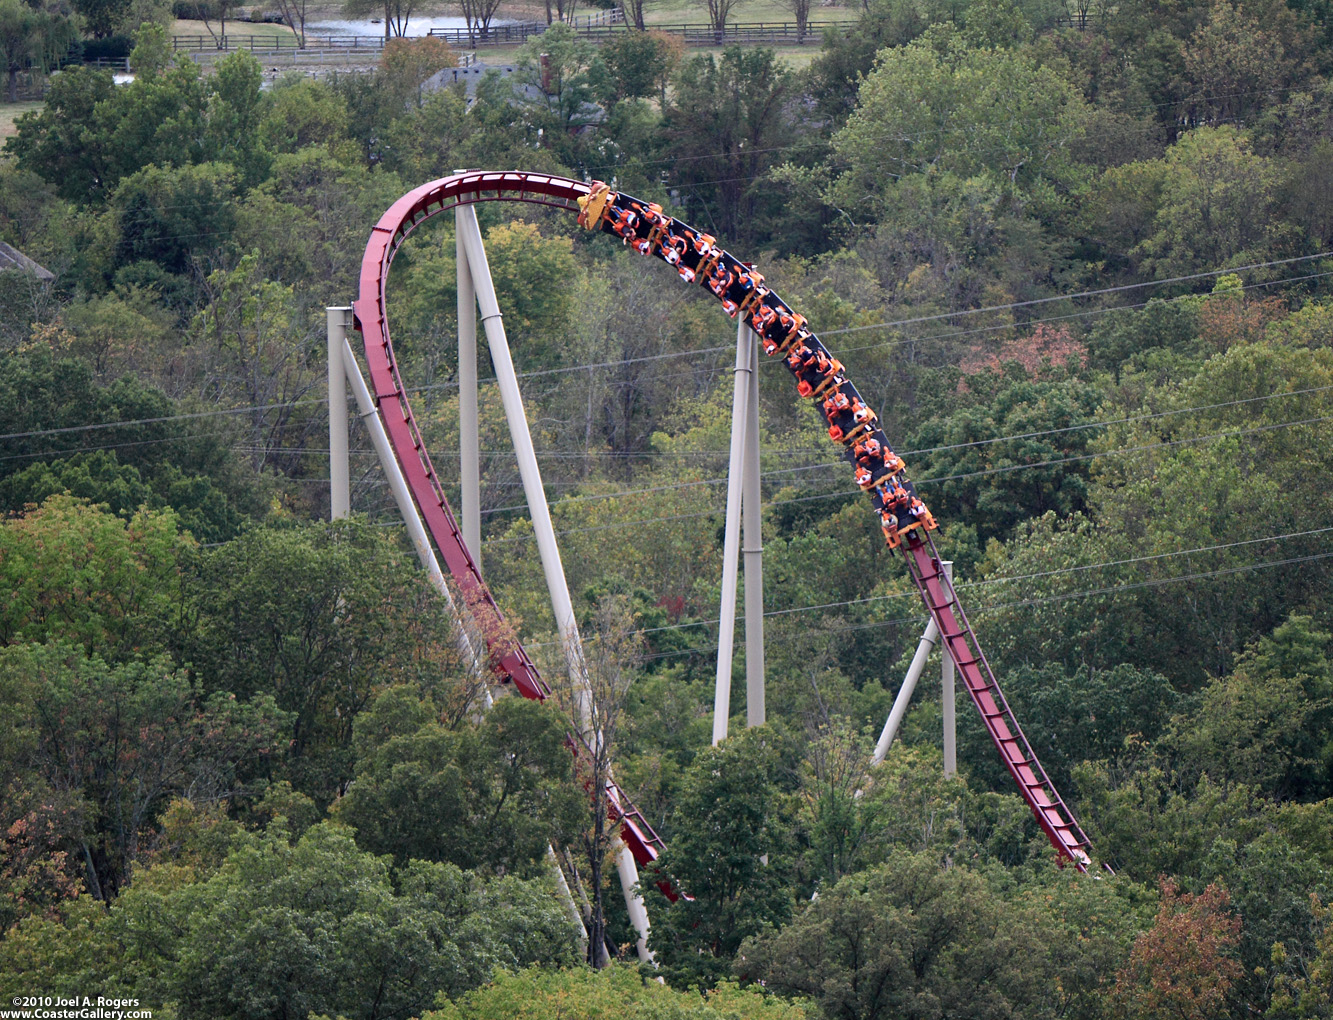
[732, 852]
[914, 938]
[593, 707]
[99, 478]
[294, 14]
[31, 38]
[322, 617]
[490, 796]
[206, 9]
[102, 17]
[1231, 66]
[127, 738]
[76, 573]
[561, 68]
[728, 117]
[261, 339]
[1307, 996]
[152, 50]
[405, 65]
[637, 63]
[477, 14]
[718, 13]
[975, 478]
[174, 217]
[932, 107]
[323, 927]
[236, 109]
[1183, 966]
[397, 13]
[1216, 205]
[617, 991]
[50, 142]
[1266, 724]
[800, 10]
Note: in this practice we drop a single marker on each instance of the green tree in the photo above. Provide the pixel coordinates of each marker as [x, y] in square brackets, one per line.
[236, 109]
[152, 50]
[976, 478]
[77, 573]
[102, 17]
[31, 38]
[490, 796]
[913, 938]
[127, 738]
[323, 927]
[56, 142]
[727, 119]
[734, 810]
[1267, 723]
[1307, 996]
[322, 617]
[100, 478]
[951, 110]
[173, 217]
[616, 992]
[637, 63]
[1217, 205]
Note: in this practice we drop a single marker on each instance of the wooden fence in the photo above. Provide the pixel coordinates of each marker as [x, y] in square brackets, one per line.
[748, 33]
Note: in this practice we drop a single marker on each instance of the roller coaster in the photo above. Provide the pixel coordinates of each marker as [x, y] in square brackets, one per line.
[853, 427]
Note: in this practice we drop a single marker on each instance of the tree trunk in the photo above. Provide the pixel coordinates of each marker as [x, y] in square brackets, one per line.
[13, 84]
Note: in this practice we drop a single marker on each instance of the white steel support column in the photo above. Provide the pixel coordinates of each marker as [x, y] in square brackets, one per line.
[726, 624]
[340, 485]
[638, 913]
[469, 443]
[947, 698]
[379, 438]
[527, 458]
[753, 548]
[566, 897]
[548, 549]
[900, 703]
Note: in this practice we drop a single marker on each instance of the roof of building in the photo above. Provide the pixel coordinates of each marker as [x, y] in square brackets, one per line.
[470, 76]
[12, 258]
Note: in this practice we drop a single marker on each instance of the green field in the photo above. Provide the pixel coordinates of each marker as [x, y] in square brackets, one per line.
[195, 30]
[692, 12]
[10, 112]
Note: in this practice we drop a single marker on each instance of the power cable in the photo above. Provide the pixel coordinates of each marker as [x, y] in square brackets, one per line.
[982, 609]
[943, 478]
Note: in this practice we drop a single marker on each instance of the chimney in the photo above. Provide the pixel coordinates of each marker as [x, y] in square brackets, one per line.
[546, 73]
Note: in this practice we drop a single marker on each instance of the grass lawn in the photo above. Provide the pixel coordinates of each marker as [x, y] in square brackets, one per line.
[693, 12]
[10, 112]
[196, 29]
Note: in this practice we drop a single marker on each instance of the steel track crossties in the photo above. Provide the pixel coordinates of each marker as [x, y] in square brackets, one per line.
[853, 425]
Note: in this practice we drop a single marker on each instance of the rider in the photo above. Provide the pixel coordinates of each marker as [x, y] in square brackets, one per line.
[720, 283]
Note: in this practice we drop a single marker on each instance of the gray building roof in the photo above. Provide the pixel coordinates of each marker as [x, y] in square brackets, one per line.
[469, 76]
[588, 113]
[12, 258]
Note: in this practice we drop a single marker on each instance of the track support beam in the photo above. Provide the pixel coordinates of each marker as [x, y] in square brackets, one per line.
[340, 471]
[742, 500]
[562, 606]
[469, 441]
[753, 548]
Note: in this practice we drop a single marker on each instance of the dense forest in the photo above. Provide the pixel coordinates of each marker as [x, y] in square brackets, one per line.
[1082, 273]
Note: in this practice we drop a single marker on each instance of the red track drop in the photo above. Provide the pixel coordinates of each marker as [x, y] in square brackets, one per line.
[697, 260]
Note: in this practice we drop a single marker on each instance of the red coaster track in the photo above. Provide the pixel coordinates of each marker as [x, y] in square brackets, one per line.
[906, 521]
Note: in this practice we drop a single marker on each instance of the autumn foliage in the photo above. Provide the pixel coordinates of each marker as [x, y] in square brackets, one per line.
[1043, 348]
[1183, 966]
